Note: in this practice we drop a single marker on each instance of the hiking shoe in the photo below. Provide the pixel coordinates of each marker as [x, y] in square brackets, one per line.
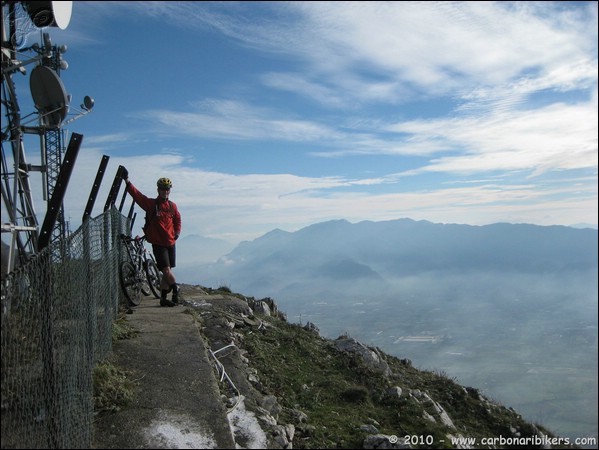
[163, 300]
[175, 289]
[166, 302]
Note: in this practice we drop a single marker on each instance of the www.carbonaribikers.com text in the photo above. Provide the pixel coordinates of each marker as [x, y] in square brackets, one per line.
[499, 441]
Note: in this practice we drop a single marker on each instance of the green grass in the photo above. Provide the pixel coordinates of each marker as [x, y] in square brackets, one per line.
[339, 393]
[122, 329]
[113, 386]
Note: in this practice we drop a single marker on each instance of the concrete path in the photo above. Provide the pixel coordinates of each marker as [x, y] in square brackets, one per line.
[177, 403]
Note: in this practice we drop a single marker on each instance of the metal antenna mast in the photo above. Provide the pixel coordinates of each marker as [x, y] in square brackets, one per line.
[20, 19]
[53, 143]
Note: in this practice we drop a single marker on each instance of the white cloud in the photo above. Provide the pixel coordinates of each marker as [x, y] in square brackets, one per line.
[558, 137]
[231, 119]
[436, 47]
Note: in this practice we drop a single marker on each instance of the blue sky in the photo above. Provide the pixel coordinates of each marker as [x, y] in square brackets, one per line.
[283, 114]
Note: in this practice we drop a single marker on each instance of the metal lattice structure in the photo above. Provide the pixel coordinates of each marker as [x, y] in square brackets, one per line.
[54, 151]
[21, 23]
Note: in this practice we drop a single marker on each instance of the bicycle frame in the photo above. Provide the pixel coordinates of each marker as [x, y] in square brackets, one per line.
[138, 272]
[153, 273]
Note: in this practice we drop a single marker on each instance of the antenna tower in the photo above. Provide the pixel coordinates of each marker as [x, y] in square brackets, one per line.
[20, 22]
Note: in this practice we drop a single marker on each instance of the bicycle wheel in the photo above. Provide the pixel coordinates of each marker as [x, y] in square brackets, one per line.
[144, 284]
[141, 275]
[130, 283]
[154, 277]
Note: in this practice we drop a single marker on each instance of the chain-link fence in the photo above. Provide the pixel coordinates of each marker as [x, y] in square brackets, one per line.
[57, 315]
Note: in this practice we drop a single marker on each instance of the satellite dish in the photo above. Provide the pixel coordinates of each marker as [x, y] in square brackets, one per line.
[88, 103]
[48, 95]
[49, 14]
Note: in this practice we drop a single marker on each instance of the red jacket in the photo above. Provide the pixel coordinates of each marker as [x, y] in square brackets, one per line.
[163, 220]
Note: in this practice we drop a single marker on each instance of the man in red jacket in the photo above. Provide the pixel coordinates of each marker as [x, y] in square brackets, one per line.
[162, 229]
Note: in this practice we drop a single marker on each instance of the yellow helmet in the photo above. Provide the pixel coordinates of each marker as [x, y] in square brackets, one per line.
[164, 183]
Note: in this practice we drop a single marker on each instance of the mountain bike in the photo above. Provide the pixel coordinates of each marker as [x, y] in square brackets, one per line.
[139, 273]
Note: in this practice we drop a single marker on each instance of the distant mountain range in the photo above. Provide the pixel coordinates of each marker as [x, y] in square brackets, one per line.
[376, 252]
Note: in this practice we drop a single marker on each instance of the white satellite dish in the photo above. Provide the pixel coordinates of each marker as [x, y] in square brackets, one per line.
[49, 95]
[49, 14]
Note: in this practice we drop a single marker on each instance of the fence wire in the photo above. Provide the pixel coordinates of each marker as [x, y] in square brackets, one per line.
[57, 315]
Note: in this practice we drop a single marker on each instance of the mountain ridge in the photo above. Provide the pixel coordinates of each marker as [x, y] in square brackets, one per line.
[404, 247]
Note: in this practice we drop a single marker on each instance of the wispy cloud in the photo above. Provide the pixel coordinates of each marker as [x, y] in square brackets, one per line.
[231, 119]
[435, 47]
[557, 137]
